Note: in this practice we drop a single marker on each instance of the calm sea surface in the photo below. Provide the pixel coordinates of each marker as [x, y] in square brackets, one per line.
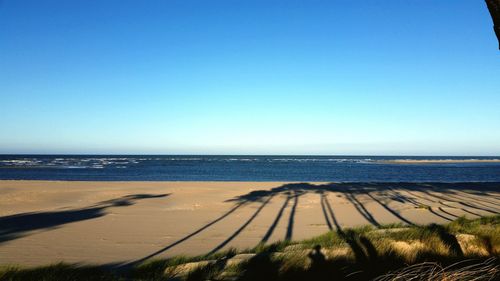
[243, 168]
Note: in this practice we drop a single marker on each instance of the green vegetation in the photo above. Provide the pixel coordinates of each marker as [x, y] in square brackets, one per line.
[60, 272]
[461, 250]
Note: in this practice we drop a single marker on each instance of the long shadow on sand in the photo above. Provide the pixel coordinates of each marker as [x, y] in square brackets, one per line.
[276, 220]
[415, 194]
[19, 225]
[351, 191]
[242, 227]
[449, 198]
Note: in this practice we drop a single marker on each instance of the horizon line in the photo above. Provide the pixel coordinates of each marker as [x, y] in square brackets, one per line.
[255, 155]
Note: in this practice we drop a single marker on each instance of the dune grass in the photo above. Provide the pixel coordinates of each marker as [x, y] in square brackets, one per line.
[60, 271]
[464, 249]
[486, 270]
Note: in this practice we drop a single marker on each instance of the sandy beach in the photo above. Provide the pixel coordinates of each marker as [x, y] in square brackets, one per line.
[113, 222]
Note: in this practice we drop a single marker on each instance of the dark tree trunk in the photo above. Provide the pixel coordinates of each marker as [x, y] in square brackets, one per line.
[494, 7]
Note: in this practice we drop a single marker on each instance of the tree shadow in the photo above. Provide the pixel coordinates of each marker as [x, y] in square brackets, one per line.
[326, 203]
[361, 246]
[361, 208]
[242, 227]
[479, 208]
[350, 190]
[293, 191]
[263, 196]
[427, 207]
[397, 196]
[361, 254]
[209, 271]
[479, 201]
[412, 193]
[276, 220]
[451, 190]
[448, 213]
[448, 239]
[390, 210]
[187, 237]
[261, 267]
[291, 219]
[323, 208]
[19, 225]
[445, 190]
[476, 202]
[292, 194]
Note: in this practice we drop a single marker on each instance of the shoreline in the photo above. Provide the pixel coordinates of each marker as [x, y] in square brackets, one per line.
[242, 181]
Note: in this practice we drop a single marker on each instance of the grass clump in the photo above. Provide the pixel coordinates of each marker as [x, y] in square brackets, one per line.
[57, 272]
[165, 269]
[465, 270]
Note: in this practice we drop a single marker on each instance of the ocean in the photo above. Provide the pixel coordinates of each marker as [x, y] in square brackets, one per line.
[249, 168]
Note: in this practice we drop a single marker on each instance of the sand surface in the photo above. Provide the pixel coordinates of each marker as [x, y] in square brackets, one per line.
[114, 222]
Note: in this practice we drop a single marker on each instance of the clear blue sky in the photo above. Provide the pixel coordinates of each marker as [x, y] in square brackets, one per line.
[411, 77]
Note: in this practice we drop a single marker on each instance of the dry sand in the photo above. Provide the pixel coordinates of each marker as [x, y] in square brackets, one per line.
[111, 222]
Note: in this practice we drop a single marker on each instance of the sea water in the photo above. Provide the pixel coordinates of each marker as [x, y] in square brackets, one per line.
[246, 168]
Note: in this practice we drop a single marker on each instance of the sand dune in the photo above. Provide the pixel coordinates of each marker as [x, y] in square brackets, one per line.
[112, 222]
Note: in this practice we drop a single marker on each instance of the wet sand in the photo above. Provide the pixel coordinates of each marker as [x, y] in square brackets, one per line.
[114, 222]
